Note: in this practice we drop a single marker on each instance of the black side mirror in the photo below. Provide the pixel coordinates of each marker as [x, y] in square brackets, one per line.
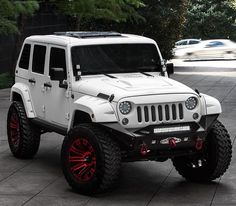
[63, 84]
[170, 68]
[57, 74]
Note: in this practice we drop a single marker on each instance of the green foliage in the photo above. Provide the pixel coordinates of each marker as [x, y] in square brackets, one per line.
[163, 22]
[114, 10]
[211, 19]
[10, 10]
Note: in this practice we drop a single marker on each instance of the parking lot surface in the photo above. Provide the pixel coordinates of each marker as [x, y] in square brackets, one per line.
[40, 181]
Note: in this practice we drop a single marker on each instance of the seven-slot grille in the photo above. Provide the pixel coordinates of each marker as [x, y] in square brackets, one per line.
[160, 113]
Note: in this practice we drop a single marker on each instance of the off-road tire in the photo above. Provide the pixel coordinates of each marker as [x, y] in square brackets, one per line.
[23, 139]
[218, 153]
[105, 155]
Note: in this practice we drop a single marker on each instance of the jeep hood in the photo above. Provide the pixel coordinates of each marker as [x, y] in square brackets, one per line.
[129, 85]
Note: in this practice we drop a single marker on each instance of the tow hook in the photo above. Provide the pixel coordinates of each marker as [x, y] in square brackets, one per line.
[172, 142]
[199, 144]
[144, 149]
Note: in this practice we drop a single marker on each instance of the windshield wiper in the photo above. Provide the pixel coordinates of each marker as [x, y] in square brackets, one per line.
[108, 75]
[149, 75]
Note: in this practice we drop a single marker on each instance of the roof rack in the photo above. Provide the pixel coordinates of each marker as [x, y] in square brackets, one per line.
[88, 34]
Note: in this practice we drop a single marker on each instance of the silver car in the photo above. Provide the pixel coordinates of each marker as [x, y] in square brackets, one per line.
[208, 49]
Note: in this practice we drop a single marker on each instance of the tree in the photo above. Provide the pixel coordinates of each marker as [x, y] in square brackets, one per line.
[211, 19]
[83, 10]
[13, 16]
[10, 11]
[164, 21]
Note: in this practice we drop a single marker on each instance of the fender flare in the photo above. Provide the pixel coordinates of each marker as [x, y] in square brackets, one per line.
[23, 91]
[213, 106]
[99, 110]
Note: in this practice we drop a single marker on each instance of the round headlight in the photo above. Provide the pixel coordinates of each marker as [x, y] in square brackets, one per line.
[125, 107]
[191, 103]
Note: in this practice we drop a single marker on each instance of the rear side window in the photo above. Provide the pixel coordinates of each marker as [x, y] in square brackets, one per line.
[25, 55]
[57, 60]
[39, 59]
[193, 42]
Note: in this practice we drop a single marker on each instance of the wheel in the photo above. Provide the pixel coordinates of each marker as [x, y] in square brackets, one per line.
[214, 161]
[228, 55]
[22, 138]
[91, 160]
[191, 56]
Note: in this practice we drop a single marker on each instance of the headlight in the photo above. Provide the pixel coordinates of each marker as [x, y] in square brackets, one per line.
[125, 107]
[191, 103]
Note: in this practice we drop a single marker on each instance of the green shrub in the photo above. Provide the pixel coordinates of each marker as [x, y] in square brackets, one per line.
[5, 80]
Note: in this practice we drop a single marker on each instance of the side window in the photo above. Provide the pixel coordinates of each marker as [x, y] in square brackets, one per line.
[215, 44]
[39, 59]
[184, 43]
[193, 42]
[218, 43]
[25, 55]
[57, 60]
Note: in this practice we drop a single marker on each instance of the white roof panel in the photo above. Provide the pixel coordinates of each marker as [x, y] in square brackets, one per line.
[74, 41]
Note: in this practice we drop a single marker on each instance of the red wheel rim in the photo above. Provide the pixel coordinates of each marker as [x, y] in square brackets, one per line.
[82, 160]
[14, 127]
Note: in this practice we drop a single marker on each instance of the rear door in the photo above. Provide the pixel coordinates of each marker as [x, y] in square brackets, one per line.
[37, 79]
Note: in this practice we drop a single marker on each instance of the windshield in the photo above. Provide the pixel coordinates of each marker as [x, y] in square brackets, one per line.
[115, 58]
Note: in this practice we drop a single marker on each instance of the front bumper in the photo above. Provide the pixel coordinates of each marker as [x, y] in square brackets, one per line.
[167, 145]
[156, 142]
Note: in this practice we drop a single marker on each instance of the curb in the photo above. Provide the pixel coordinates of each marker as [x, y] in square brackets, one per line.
[203, 69]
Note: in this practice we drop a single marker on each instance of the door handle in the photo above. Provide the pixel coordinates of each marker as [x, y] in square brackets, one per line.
[32, 80]
[47, 84]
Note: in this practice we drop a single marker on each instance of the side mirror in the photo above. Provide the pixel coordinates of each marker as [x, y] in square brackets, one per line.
[63, 84]
[170, 68]
[57, 74]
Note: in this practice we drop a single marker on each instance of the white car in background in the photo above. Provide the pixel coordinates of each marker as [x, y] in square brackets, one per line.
[186, 43]
[208, 49]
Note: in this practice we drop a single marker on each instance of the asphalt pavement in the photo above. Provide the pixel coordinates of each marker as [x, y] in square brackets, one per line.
[40, 181]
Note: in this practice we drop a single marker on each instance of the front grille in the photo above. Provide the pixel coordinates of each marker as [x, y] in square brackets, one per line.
[160, 113]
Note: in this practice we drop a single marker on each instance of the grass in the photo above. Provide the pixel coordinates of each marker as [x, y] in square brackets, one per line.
[5, 80]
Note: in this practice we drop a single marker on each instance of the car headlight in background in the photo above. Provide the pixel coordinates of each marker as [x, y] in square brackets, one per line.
[191, 103]
[125, 107]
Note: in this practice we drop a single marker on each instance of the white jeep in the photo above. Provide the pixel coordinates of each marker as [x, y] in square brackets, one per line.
[110, 95]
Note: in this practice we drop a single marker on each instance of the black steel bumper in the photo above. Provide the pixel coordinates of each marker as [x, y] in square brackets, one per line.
[148, 144]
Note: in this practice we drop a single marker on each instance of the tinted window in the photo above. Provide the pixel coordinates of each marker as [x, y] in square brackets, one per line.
[116, 58]
[215, 44]
[57, 60]
[193, 42]
[25, 55]
[218, 43]
[183, 42]
[39, 59]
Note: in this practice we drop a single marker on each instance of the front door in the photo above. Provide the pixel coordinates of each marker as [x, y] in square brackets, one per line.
[57, 98]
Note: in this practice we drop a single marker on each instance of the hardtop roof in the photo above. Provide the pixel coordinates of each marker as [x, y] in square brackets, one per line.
[88, 38]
